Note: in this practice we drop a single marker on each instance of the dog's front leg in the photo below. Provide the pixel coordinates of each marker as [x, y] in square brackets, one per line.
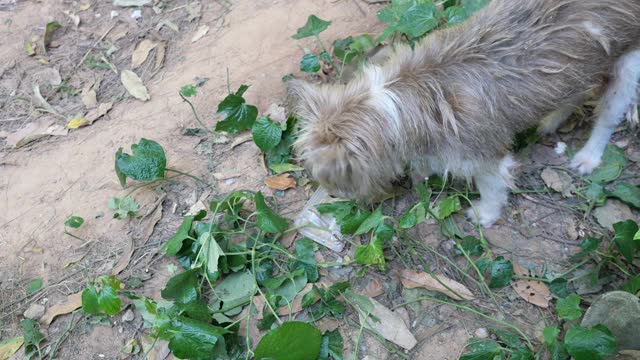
[493, 183]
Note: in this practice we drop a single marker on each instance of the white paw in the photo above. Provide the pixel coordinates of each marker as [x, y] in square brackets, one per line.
[486, 215]
[585, 161]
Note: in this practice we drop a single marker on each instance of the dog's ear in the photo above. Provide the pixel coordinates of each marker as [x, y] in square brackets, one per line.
[303, 99]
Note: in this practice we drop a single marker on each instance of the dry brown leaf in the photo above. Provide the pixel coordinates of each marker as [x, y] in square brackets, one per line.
[134, 85]
[413, 279]
[373, 288]
[35, 130]
[73, 301]
[125, 259]
[89, 98]
[141, 52]
[558, 181]
[390, 326]
[160, 53]
[99, 112]
[200, 33]
[533, 292]
[281, 182]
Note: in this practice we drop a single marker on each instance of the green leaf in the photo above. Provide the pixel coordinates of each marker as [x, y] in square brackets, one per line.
[239, 115]
[109, 301]
[370, 254]
[624, 234]
[236, 289]
[313, 27]
[285, 286]
[455, 15]
[174, 244]
[147, 163]
[331, 345]
[371, 222]
[266, 133]
[212, 251]
[522, 354]
[482, 350]
[268, 220]
[589, 344]
[472, 6]
[32, 338]
[588, 245]
[569, 308]
[90, 301]
[558, 287]
[305, 251]
[595, 193]
[413, 216]
[501, 273]
[418, 20]
[125, 208]
[34, 286]
[556, 349]
[190, 339]
[342, 51]
[446, 207]
[293, 340]
[362, 43]
[628, 193]
[51, 27]
[188, 91]
[121, 176]
[281, 168]
[508, 338]
[310, 64]
[74, 222]
[471, 245]
[182, 287]
[632, 286]
[613, 162]
[550, 334]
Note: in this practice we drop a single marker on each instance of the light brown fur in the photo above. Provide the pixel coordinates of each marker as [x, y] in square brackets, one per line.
[454, 104]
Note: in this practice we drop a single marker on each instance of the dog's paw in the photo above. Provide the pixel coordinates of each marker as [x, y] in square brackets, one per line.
[585, 161]
[486, 215]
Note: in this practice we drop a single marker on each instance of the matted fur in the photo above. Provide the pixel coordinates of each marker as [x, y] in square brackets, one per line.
[454, 104]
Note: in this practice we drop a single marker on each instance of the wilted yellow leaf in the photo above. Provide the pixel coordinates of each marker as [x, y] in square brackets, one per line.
[9, 347]
[28, 48]
[84, 7]
[77, 123]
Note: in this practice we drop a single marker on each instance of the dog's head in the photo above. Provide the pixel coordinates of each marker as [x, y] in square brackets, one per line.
[344, 139]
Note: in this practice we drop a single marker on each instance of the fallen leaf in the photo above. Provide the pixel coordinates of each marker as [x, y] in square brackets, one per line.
[98, 112]
[118, 34]
[373, 288]
[28, 48]
[558, 181]
[281, 182]
[168, 24]
[296, 304]
[84, 7]
[134, 85]
[48, 76]
[390, 326]
[153, 220]
[40, 101]
[200, 33]
[73, 301]
[160, 53]
[125, 258]
[49, 29]
[534, 292]
[35, 130]
[612, 212]
[89, 98]
[75, 19]
[412, 279]
[141, 52]
[10, 346]
[77, 122]
[131, 3]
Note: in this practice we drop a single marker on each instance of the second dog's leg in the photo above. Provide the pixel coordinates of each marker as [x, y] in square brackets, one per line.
[620, 94]
[494, 190]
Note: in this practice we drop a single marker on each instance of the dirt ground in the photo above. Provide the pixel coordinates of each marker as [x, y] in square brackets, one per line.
[44, 182]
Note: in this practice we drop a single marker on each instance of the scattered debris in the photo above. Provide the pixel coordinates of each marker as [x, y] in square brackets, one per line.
[612, 212]
[75, 19]
[131, 3]
[558, 181]
[168, 24]
[48, 76]
[98, 112]
[560, 148]
[160, 54]
[154, 349]
[325, 230]
[390, 326]
[136, 14]
[134, 85]
[412, 279]
[41, 102]
[128, 316]
[241, 140]
[49, 29]
[373, 288]
[73, 301]
[194, 10]
[481, 333]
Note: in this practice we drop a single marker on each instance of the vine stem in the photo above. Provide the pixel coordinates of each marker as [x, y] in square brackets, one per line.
[195, 113]
[325, 50]
[191, 176]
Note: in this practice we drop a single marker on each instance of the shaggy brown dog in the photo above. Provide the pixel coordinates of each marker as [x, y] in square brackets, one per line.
[454, 104]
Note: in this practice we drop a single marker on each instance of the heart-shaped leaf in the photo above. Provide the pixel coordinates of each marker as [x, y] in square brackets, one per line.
[310, 64]
[147, 163]
[589, 344]
[313, 27]
[624, 234]
[569, 308]
[74, 222]
[266, 133]
[418, 20]
[239, 115]
[182, 287]
[293, 340]
[268, 220]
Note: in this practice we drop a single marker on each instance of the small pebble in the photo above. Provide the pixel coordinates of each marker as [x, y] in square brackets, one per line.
[560, 148]
[35, 311]
[136, 14]
[481, 333]
[128, 316]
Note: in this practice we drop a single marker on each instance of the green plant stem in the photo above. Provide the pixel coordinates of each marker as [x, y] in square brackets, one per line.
[191, 176]
[471, 310]
[195, 114]
[333, 65]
